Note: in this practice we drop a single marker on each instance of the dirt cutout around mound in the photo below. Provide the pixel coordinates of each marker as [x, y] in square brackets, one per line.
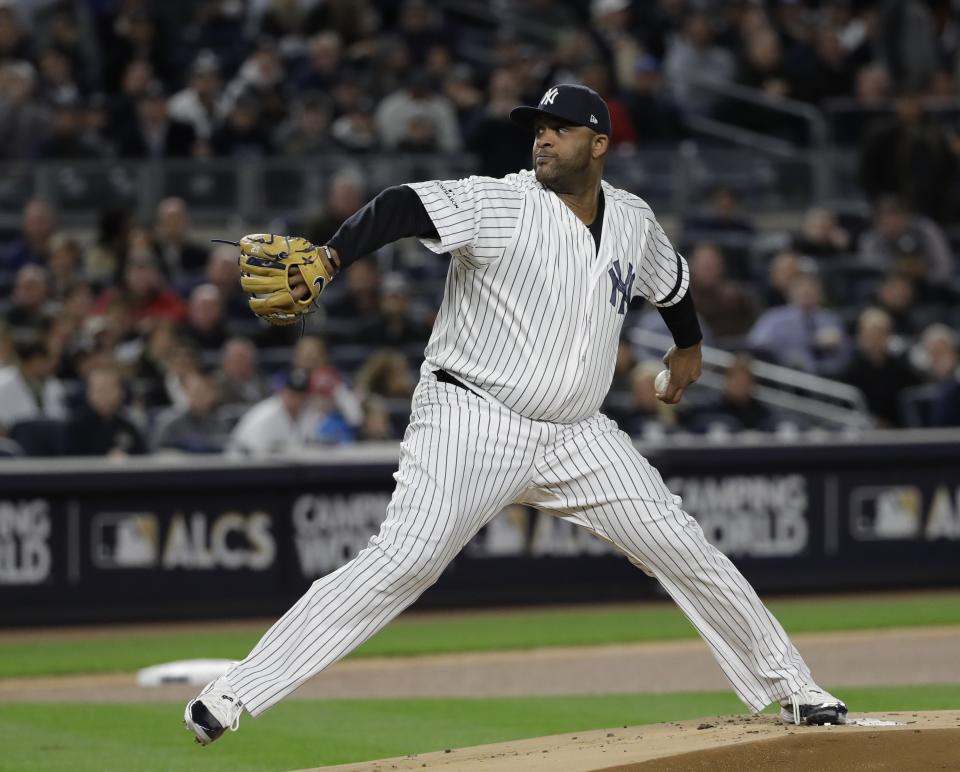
[927, 741]
[913, 750]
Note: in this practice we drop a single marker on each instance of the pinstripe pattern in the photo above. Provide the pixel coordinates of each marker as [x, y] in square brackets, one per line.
[463, 459]
[526, 315]
[529, 317]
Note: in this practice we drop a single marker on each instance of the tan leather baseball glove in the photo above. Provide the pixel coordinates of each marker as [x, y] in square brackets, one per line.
[270, 263]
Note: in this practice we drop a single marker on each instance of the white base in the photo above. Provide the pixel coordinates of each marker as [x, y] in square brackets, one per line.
[188, 671]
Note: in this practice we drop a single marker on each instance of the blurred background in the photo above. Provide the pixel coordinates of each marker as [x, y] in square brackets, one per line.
[803, 156]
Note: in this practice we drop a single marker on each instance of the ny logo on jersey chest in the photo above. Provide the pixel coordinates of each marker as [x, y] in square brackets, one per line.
[621, 286]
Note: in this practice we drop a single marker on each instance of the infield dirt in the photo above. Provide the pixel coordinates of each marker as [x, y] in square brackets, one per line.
[920, 742]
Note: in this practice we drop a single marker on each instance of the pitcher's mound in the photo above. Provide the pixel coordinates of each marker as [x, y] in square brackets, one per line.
[917, 742]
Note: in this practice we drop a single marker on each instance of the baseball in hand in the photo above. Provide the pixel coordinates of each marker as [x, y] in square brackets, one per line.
[662, 382]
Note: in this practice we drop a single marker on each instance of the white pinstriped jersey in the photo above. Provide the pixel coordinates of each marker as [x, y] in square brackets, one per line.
[531, 313]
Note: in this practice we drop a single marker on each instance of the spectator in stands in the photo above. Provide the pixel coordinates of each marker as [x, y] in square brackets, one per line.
[737, 402]
[24, 120]
[821, 235]
[938, 355]
[395, 323]
[802, 334]
[825, 72]
[102, 262]
[907, 39]
[123, 102]
[880, 375]
[242, 133]
[612, 27]
[323, 66]
[67, 138]
[204, 327]
[153, 370]
[7, 351]
[310, 355]
[28, 389]
[223, 272]
[895, 295]
[386, 373]
[197, 427]
[199, 105]
[100, 428]
[762, 67]
[458, 85]
[417, 114]
[361, 295]
[238, 378]
[910, 157]
[725, 305]
[693, 55]
[653, 112]
[596, 75]
[345, 195]
[56, 80]
[29, 309]
[143, 288]
[783, 269]
[65, 264]
[307, 132]
[259, 83]
[492, 135]
[341, 412]
[33, 244]
[908, 243]
[155, 134]
[376, 425]
[182, 258]
[284, 422]
[355, 131]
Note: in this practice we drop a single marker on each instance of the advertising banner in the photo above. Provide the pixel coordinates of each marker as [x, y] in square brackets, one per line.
[228, 540]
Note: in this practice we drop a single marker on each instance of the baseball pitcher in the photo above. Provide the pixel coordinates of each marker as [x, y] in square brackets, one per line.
[543, 265]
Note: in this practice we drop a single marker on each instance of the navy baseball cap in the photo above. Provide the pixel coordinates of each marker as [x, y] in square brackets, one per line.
[571, 102]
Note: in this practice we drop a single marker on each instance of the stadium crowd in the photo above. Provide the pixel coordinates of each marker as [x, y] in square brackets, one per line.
[138, 338]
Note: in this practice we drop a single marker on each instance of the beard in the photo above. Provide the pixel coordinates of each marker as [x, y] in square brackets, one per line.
[561, 174]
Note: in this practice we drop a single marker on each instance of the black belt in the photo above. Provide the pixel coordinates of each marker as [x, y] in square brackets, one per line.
[444, 377]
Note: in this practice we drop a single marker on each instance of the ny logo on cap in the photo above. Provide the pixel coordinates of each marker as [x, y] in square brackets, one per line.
[550, 96]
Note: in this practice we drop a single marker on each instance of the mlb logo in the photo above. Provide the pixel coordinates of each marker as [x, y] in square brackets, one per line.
[886, 513]
[125, 540]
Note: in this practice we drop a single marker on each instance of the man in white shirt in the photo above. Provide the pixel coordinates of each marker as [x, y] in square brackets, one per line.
[284, 422]
[28, 390]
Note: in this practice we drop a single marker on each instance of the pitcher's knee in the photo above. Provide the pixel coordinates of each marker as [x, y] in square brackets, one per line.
[412, 561]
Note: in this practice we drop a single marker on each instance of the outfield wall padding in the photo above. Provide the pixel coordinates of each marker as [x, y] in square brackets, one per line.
[84, 541]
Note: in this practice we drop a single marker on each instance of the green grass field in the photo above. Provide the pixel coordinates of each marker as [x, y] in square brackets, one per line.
[474, 632]
[299, 734]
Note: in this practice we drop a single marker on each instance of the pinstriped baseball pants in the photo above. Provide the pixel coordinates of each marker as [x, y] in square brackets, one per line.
[463, 459]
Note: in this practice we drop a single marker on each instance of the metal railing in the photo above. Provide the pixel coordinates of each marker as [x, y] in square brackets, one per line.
[817, 155]
[824, 401]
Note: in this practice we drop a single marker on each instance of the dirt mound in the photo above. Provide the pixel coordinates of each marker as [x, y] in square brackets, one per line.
[927, 741]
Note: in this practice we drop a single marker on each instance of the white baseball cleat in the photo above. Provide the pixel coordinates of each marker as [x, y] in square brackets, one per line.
[213, 711]
[812, 705]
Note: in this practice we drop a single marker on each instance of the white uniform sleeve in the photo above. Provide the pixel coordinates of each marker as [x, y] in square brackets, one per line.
[663, 276]
[475, 217]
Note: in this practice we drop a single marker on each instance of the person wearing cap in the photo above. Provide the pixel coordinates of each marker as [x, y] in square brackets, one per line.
[543, 266]
[283, 423]
[200, 103]
[154, 134]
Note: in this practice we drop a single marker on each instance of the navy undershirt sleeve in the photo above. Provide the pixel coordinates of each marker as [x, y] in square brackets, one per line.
[394, 214]
[681, 320]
